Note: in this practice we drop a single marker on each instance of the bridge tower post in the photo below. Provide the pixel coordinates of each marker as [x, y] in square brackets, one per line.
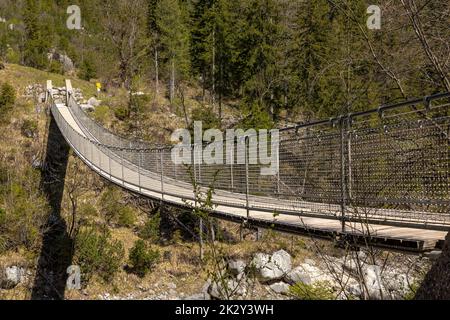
[247, 177]
[121, 166]
[162, 172]
[139, 170]
[342, 124]
[69, 90]
[231, 167]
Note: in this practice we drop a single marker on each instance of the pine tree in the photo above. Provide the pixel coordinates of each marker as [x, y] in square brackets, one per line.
[154, 33]
[174, 37]
[38, 35]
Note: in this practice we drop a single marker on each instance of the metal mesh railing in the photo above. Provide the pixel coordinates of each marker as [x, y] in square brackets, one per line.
[390, 165]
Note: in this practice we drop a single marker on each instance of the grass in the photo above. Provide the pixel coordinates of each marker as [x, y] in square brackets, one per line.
[21, 77]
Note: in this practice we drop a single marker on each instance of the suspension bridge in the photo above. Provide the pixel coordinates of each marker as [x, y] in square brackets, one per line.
[381, 176]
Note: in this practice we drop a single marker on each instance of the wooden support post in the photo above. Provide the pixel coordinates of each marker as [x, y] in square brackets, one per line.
[200, 234]
[246, 178]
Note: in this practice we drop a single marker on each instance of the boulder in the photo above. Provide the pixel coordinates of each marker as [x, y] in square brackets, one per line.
[172, 285]
[354, 289]
[236, 267]
[228, 288]
[199, 296]
[273, 267]
[373, 282]
[315, 274]
[93, 102]
[11, 277]
[298, 275]
[280, 287]
[86, 107]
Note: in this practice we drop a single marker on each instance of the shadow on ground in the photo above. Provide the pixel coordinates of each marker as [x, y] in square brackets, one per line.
[57, 247]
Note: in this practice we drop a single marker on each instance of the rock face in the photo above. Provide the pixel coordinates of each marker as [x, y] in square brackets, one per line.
[280, 287]
[273, 267]
[93, 102]
[228, 288]
[65, 61]
[236, 267]
[11, 277]
[297, 275]
[436, 285]
[372, 279]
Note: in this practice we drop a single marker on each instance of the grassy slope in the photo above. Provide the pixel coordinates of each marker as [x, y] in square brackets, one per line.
[21, 76]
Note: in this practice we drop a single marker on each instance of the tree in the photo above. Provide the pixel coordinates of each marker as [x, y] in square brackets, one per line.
[260, 59]
[7, 95]
[124, 21]
[153, 29]
[38, 34]
[174, 39]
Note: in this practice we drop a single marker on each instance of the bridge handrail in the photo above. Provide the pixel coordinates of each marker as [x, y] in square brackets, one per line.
[74, 106]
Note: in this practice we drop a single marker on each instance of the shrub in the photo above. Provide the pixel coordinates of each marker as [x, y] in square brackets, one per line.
[56, 67]
[150, 231]
[101, 113]
[24, 209]
[126, 217]
[87, 70]
[7, 95]
[2, 216]
[110, 203]
[96, 253]
[256, 117]
[142, 258]
[29, 128]
[207, 116]
[121, 113]
[317, 291]
[87, 210]
[12, 56]
[139, 103]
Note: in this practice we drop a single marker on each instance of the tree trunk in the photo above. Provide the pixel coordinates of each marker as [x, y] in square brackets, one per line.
[156, 72]
[172, 81]
[213, 72]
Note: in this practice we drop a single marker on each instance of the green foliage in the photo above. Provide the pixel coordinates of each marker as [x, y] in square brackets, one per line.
[101, 113]
[151, 230]
[207, 116]
[29, 128]
[87, 210]
[7, 96]
[317, 291]
[12, 56]
[110, 203]
[38, 34]
[96, 253]
[115, 211]
[256, 117]
[56, 67]
[87, 70]
[2, 216]
[121, 113]
[174, 34]
[139, 103]
[126, 217]
[142, 258]
[24, 208]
